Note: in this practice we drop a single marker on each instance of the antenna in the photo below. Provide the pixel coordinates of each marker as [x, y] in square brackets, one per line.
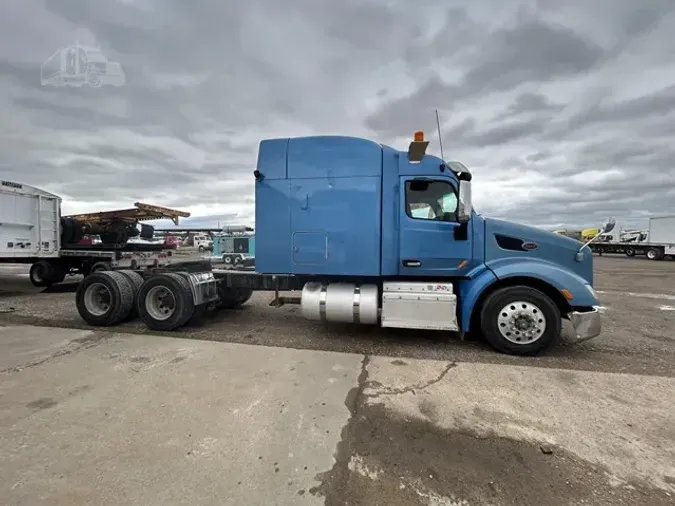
[440, 140]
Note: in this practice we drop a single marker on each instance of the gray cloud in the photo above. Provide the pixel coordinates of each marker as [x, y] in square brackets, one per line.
[565, 110]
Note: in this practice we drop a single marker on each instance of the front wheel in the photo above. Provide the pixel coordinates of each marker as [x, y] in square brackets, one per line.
[520, 320]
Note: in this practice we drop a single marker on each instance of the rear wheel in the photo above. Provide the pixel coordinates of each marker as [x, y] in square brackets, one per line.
[104, 298]
[231, 298]
[42, 274]
[654, 254]
[136, 281]
[100, 266]
[520, 320]
[165, 302]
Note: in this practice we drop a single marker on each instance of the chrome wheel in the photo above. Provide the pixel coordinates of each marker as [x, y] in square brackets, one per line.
[160, 302]
[97, 299]
[521, 322]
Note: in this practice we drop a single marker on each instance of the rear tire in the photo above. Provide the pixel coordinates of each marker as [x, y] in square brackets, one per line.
[104, 299]
[42, 274]
[520, 320]
[136, 281]
[654, 254]
[165, 302]
[232, 298]
[100, 267]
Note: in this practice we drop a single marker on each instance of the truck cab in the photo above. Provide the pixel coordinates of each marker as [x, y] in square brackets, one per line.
[397, 228]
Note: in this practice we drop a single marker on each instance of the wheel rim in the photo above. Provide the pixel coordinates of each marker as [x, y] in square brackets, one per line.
[97, 299]
[521, 322]
[37, 275]
[160, 303]
[651, 254]
[228, 260]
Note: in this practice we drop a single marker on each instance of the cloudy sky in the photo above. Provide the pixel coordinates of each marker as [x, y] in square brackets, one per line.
[564, 110]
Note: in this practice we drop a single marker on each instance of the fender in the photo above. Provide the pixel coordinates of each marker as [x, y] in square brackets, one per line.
[468, 291]
[552, 274]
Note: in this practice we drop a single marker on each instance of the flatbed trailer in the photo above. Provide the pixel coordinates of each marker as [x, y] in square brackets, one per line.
[653, 251]
[33, 231]
[85, 259]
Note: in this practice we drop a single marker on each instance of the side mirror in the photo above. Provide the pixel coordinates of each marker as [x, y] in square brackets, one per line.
[609, 226]
[464, 205]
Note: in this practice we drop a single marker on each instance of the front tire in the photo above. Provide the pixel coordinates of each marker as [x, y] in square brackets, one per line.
[520, 320]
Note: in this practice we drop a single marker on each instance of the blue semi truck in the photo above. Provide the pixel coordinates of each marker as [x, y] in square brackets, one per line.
[374, 235]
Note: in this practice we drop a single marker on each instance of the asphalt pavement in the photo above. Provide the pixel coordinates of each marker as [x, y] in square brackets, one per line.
[637, 296]
[258, 406]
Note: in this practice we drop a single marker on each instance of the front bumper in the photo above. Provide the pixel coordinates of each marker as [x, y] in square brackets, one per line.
[587, 324]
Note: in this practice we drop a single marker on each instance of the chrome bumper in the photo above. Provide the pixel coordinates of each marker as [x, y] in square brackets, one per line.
[587, 324]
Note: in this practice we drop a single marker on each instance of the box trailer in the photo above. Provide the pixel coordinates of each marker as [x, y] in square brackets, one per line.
[29, 222]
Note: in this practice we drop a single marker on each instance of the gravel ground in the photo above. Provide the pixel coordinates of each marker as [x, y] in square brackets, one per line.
[639, 314]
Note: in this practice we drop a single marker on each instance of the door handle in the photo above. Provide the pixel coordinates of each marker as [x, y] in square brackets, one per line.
[411, 263]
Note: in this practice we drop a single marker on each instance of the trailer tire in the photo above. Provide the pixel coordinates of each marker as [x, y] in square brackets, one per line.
[70, 231]
[506, 309]
[244, 296]
[41, 274]
[630, 252]
[104, 299]
[151, 307]
[232, 298]
[100, 267]
[136, 281]
[654, 254]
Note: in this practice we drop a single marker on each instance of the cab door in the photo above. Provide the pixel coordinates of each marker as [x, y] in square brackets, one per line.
[431, 241]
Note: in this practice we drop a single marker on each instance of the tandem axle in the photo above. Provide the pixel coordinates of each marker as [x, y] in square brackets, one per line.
[514, 319]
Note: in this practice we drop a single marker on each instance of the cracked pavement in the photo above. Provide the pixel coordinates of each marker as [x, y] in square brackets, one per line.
[111, 418]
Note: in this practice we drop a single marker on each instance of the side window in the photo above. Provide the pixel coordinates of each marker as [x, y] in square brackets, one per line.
[431, 200]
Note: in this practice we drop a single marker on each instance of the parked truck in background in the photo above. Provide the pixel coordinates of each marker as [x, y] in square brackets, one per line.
[33, 231]
[657, 243]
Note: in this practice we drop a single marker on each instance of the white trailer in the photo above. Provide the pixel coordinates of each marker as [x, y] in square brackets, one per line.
[32, 231]
[660, 241]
